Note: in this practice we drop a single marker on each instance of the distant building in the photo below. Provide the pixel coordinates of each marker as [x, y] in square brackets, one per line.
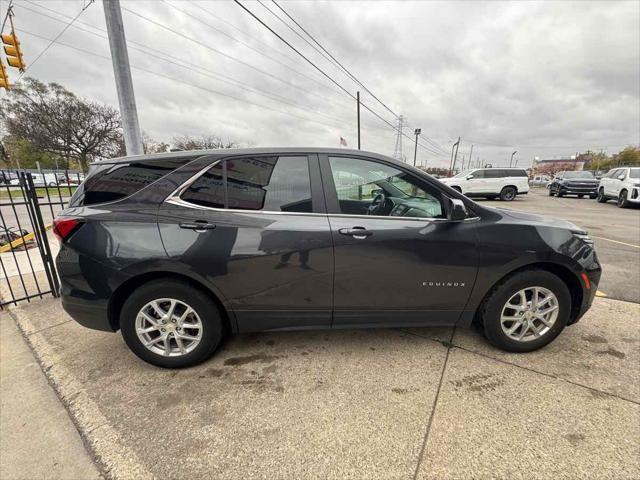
[558, 164]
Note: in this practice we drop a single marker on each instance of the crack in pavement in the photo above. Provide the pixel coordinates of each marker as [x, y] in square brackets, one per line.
[505, 362]
[423, 449]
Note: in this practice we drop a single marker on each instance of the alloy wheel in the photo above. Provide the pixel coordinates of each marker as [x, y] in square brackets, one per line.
[168, 327]
[529, 314]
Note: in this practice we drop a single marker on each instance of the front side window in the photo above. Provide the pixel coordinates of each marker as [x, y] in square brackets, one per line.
[273, 184]
[479, 174]
[365, 187]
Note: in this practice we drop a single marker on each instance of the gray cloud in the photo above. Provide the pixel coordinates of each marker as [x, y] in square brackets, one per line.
[524, 75]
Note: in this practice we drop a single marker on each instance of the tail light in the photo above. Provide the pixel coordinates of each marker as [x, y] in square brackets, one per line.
[63, 228]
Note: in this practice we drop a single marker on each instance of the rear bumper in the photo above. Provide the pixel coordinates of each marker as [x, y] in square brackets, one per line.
[88, 313]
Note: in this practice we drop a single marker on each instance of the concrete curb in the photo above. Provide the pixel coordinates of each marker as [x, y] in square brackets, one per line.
[106, 450]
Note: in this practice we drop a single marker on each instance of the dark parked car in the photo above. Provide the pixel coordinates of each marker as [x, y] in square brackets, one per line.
[178, 249]
[578, 183]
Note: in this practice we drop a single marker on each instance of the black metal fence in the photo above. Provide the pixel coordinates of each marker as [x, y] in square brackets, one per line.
[29, 201]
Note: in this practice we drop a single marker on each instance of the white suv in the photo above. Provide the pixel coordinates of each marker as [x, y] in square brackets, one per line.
[623, 184]
[490, 183]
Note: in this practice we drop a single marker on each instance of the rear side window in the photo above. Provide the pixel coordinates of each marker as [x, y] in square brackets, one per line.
[111, 182]
[490, 173]
[274, 184]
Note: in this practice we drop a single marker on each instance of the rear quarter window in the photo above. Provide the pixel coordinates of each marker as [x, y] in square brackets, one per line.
[114, 181]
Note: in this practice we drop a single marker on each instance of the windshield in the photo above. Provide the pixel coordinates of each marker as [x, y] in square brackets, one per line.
[463, 174]
[581, 174]
[634, 173]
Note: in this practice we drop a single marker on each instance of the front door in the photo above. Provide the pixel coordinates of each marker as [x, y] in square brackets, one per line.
[477, 183]
[398, 260]
[255, 229]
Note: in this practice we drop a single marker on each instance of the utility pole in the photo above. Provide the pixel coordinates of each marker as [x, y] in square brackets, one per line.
[358, 99]
[397, 153]
[417, 132]
[122, 73]
[452, 163]
[470, 158]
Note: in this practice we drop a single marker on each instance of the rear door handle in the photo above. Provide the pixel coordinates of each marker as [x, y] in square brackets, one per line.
[359, 233]
[198, 226]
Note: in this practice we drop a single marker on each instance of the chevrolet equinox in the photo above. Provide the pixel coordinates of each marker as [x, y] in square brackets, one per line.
[178, 249]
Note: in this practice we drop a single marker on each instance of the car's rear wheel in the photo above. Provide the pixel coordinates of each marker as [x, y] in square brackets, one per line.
[623, 201]
[170, 324]
[601, 198]
[507, 194]
[526, 311]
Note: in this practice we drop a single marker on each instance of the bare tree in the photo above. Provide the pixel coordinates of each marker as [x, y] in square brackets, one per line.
[204, 142]
[54, 120]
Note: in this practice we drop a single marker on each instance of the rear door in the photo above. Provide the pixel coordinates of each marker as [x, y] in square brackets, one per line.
[403, 262]
[255, 228]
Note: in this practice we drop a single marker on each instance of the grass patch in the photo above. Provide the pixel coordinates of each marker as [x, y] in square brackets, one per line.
[40, 191]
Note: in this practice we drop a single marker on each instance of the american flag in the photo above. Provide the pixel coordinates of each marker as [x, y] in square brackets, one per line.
[343, 142]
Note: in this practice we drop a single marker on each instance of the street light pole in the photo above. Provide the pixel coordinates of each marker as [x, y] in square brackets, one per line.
[452, 163]
[358, 93]
[511, 159]
[417, 132]
[122, 73]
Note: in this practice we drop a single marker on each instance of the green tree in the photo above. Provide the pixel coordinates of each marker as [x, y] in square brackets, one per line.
[54, 120]
[19, 153]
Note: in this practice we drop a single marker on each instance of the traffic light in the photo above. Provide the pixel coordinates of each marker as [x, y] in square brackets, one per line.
[4, 79]
[12, 50]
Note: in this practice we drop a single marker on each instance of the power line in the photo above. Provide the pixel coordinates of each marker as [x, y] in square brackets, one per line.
[353, 77]
[209, 90]
[230, 57]
[55, 39]
[246, 45]
[159, 54]
[326, 75]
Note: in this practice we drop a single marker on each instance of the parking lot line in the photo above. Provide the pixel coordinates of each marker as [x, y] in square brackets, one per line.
[600, 293]
[616, 241]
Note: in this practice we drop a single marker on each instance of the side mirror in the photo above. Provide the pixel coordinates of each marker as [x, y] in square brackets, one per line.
[457, 210]
[470, 176]
[621, 177]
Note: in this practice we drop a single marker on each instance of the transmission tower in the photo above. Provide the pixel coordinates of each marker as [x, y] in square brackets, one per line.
[397, 153]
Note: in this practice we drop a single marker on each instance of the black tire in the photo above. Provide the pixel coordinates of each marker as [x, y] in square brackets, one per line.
[203, 305]
[601, 198]
[580, 195]
[550, 192]
[508, 194]
[592, 196]
[559, 193]
[491, 310]
[623, 201]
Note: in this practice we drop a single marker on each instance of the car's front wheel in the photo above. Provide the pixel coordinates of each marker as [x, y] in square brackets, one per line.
[526, 311]
[601, 197]
[171, 324]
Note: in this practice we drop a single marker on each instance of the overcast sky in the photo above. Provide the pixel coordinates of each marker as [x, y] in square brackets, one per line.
[546, 79]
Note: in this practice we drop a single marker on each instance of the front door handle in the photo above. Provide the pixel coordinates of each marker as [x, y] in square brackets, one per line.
[359, 233]
[198, 226]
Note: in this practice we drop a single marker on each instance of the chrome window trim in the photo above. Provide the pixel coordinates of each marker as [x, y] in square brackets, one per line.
[174, 199]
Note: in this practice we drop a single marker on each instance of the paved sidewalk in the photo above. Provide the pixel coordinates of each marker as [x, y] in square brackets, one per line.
[37, 437]
[405, 404]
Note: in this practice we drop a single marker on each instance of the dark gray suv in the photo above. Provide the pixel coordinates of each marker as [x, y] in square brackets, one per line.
[178, 249]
